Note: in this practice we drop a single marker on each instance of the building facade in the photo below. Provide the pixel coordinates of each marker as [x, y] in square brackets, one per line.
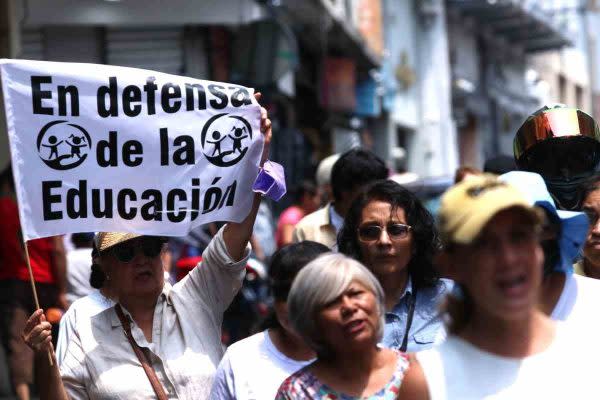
[567, 76]
[313, 60]
[493, 45]
[427, 84]
[419, 134]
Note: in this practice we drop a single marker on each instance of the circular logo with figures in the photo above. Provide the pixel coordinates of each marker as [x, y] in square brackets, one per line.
[225, 139]
[62, 145]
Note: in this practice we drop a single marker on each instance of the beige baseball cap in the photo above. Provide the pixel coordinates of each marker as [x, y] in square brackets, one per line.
[469, 205]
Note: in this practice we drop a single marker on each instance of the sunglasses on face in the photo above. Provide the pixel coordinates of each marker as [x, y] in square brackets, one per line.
[150, 246]
[372, 233]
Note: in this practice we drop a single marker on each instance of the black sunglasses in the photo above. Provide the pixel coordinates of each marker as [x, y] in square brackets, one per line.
[151, 247]
[371, 233]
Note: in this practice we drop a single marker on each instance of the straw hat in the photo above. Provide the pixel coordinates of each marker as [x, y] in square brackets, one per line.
[106, 240]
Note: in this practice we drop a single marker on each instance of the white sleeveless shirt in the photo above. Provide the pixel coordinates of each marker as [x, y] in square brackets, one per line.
[458, 370]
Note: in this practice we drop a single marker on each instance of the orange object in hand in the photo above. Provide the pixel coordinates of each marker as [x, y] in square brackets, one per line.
[53, 315]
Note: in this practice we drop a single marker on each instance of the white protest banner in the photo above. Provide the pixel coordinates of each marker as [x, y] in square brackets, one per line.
[104, 148]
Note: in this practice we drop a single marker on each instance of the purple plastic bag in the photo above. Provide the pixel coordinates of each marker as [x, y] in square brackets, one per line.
[270, 181]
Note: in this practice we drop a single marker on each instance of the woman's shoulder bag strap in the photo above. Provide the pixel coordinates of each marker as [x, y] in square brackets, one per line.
[156, 385]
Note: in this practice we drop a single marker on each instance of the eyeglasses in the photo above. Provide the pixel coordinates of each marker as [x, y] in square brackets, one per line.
[372, 233]
[151, 247]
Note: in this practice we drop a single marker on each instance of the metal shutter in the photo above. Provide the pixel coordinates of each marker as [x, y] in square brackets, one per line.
[32, 45]
[159, 49]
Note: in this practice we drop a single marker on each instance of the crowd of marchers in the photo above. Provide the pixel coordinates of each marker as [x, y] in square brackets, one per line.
[374, 297]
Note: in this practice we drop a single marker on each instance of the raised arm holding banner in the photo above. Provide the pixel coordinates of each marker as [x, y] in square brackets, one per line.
[114, 149]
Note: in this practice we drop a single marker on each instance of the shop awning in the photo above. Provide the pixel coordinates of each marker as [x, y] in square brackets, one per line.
[521, 23]
[140, 13]
[323, 28]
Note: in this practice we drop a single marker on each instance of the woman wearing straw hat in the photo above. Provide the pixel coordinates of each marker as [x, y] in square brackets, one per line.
[500, 344]
[158, 341]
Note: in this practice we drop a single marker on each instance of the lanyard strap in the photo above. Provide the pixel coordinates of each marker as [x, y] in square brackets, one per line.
[409, 318]
[148, 369]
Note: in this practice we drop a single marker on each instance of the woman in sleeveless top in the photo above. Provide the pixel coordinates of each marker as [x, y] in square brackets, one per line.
[500, 345]
[336, 306]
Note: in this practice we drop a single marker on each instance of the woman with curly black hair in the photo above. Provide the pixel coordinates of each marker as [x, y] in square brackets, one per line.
[390, 231]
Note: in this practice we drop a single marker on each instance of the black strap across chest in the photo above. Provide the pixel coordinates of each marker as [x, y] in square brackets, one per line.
[409, 318]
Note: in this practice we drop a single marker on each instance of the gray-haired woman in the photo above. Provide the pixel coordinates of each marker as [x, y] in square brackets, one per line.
[337, 307]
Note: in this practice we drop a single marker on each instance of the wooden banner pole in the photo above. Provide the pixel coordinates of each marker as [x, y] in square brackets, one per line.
[33, 289]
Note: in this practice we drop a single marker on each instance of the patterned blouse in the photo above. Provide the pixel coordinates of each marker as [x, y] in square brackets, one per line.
[303, 385]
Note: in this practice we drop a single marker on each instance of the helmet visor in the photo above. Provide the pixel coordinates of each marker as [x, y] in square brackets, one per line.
[562, 158]
[554, 123]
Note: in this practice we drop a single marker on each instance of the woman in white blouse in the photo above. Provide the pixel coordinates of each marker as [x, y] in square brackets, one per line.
[176, 329]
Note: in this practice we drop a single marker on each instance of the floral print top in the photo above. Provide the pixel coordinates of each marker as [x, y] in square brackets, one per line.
[303, 385]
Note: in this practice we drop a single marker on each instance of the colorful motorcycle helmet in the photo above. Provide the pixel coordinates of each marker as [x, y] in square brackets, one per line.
[562, 144]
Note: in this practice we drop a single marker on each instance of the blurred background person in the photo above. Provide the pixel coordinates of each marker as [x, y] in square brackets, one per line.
[564, 296]
[323, 177]
[255, 367]
[250, 304]
[465, 171]
[48, 263]
[500, 344]
[263, 233]
[80, 312]
[307, 199]
[499, 165]
[562, 144]
[391, 233]
[589, 265]
[337, 307]
[351, 172]
[78, 266]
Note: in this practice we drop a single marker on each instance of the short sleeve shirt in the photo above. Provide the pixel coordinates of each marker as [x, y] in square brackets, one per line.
[253, 369]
